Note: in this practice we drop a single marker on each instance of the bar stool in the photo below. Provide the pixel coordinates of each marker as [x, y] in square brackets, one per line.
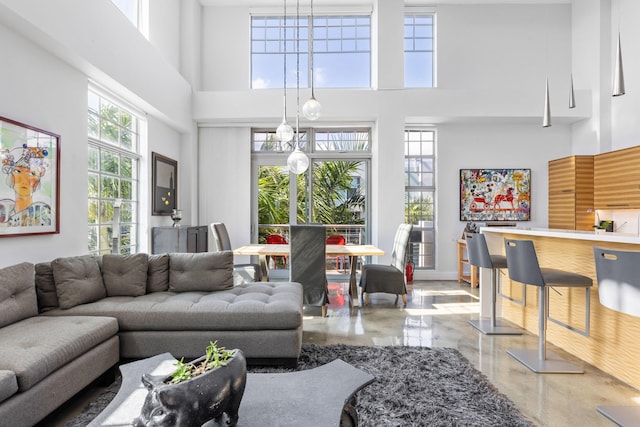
[523, 266]
[479, 256]
[618, 274]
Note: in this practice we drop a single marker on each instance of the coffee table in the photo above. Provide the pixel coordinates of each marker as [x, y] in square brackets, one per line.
[320, 396]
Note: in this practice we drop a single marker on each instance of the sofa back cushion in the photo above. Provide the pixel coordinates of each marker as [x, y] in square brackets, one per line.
[158, 273]
[78, 280]
[125, 275]
[205, 271]
[17, 293]
[45, 287]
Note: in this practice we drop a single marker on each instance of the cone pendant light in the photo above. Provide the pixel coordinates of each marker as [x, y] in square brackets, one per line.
[572, 97]
[546, 116]
[618, 74]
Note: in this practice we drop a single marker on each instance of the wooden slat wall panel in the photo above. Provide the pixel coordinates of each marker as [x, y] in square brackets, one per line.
[617, 179]
[614, 341]
[561, 206]
[584, 182]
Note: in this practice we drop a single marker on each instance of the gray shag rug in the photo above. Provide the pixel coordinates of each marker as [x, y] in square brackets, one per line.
[414, 386]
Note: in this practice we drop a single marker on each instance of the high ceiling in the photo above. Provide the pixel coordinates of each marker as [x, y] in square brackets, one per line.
[266, 3]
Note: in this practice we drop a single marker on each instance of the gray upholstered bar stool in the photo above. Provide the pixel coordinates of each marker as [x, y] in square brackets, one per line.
[523, 266]
[618, 274]
[479, 256]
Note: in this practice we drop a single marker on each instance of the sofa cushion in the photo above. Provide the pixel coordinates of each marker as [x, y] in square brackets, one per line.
[8, 384]
[158, 273]
[34, 348]
[45, 287]
[125, 274]
[78, 280]
[17, 293]
[251, 306]
[205, 271]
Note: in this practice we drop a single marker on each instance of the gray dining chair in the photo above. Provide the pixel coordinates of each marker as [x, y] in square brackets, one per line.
[388, 278]
[523, 267]
[618, 275]
[307, 264]
[479, 256]
[242, 273]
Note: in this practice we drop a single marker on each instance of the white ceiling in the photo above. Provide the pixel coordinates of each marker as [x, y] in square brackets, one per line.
[266, 3]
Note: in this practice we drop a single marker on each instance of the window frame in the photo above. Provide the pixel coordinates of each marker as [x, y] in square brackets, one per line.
[413, 12]
[103, 205]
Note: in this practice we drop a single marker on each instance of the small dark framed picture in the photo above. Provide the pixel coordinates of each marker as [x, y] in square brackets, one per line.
[165, 184]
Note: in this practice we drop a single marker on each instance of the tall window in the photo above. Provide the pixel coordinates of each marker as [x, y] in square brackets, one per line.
[418, 50]
[341, 51]
[113, 157]
[419, 200]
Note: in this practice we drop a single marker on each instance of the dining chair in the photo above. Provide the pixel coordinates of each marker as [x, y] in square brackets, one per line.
[277, 239]
[341, 260]
[618, 275]
[523, 267]
[479, 256]
[388, 278]
[242, 273]
[308, 262]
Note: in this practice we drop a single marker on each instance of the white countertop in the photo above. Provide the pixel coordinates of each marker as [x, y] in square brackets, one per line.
[566, 234]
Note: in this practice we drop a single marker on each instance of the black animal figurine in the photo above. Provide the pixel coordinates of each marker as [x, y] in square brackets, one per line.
[196, 401]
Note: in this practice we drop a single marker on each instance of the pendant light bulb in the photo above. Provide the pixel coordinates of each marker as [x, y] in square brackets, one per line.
[284, 132]
[298, 161]
[312, 108]
[618, 74]
[546, 116]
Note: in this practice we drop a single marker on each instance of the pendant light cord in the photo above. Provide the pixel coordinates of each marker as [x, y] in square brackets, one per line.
[284, 71]
[297, 74]
[311, 50]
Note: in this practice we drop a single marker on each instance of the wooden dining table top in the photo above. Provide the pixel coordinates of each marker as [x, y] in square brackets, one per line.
[283, 250]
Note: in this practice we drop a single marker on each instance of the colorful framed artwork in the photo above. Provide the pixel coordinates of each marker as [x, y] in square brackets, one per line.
[165, 184]
[495, 194]
[29, 180]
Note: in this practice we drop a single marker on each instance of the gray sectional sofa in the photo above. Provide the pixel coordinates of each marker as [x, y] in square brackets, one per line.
[65, 323]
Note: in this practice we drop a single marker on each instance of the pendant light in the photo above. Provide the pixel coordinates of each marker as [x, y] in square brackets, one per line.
[618, 74]
[311, 109]
[572, 97]
[284, 132]
[546, 116]
[298, 161]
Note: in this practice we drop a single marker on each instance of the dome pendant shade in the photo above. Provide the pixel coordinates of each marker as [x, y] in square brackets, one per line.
[618, 74]
[546, 117]
[312, 108]
[298, 162]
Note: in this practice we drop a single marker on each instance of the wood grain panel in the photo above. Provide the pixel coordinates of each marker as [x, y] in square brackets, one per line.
[571, 193]
[614, 341]
[617, 179]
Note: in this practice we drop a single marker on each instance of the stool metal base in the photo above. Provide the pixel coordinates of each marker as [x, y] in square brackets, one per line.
[553, 364]
[485, 326]
[625, 416]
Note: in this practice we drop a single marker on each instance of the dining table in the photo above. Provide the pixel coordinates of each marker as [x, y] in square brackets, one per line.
[263, 251]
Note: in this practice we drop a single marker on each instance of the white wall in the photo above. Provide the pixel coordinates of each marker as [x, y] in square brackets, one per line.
[52, 49]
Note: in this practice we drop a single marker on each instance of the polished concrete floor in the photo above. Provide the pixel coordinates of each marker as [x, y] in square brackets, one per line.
[437, 315]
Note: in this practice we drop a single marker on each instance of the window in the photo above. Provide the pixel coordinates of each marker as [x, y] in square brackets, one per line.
[114, 140]
[419, 206]
[133, 10]
[341, 51]
[418, 50]
[334, 191]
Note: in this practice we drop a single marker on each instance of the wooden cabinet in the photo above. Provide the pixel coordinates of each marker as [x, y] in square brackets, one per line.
[464, 267]
[179, 239]
[571, 188]
[617, 179]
